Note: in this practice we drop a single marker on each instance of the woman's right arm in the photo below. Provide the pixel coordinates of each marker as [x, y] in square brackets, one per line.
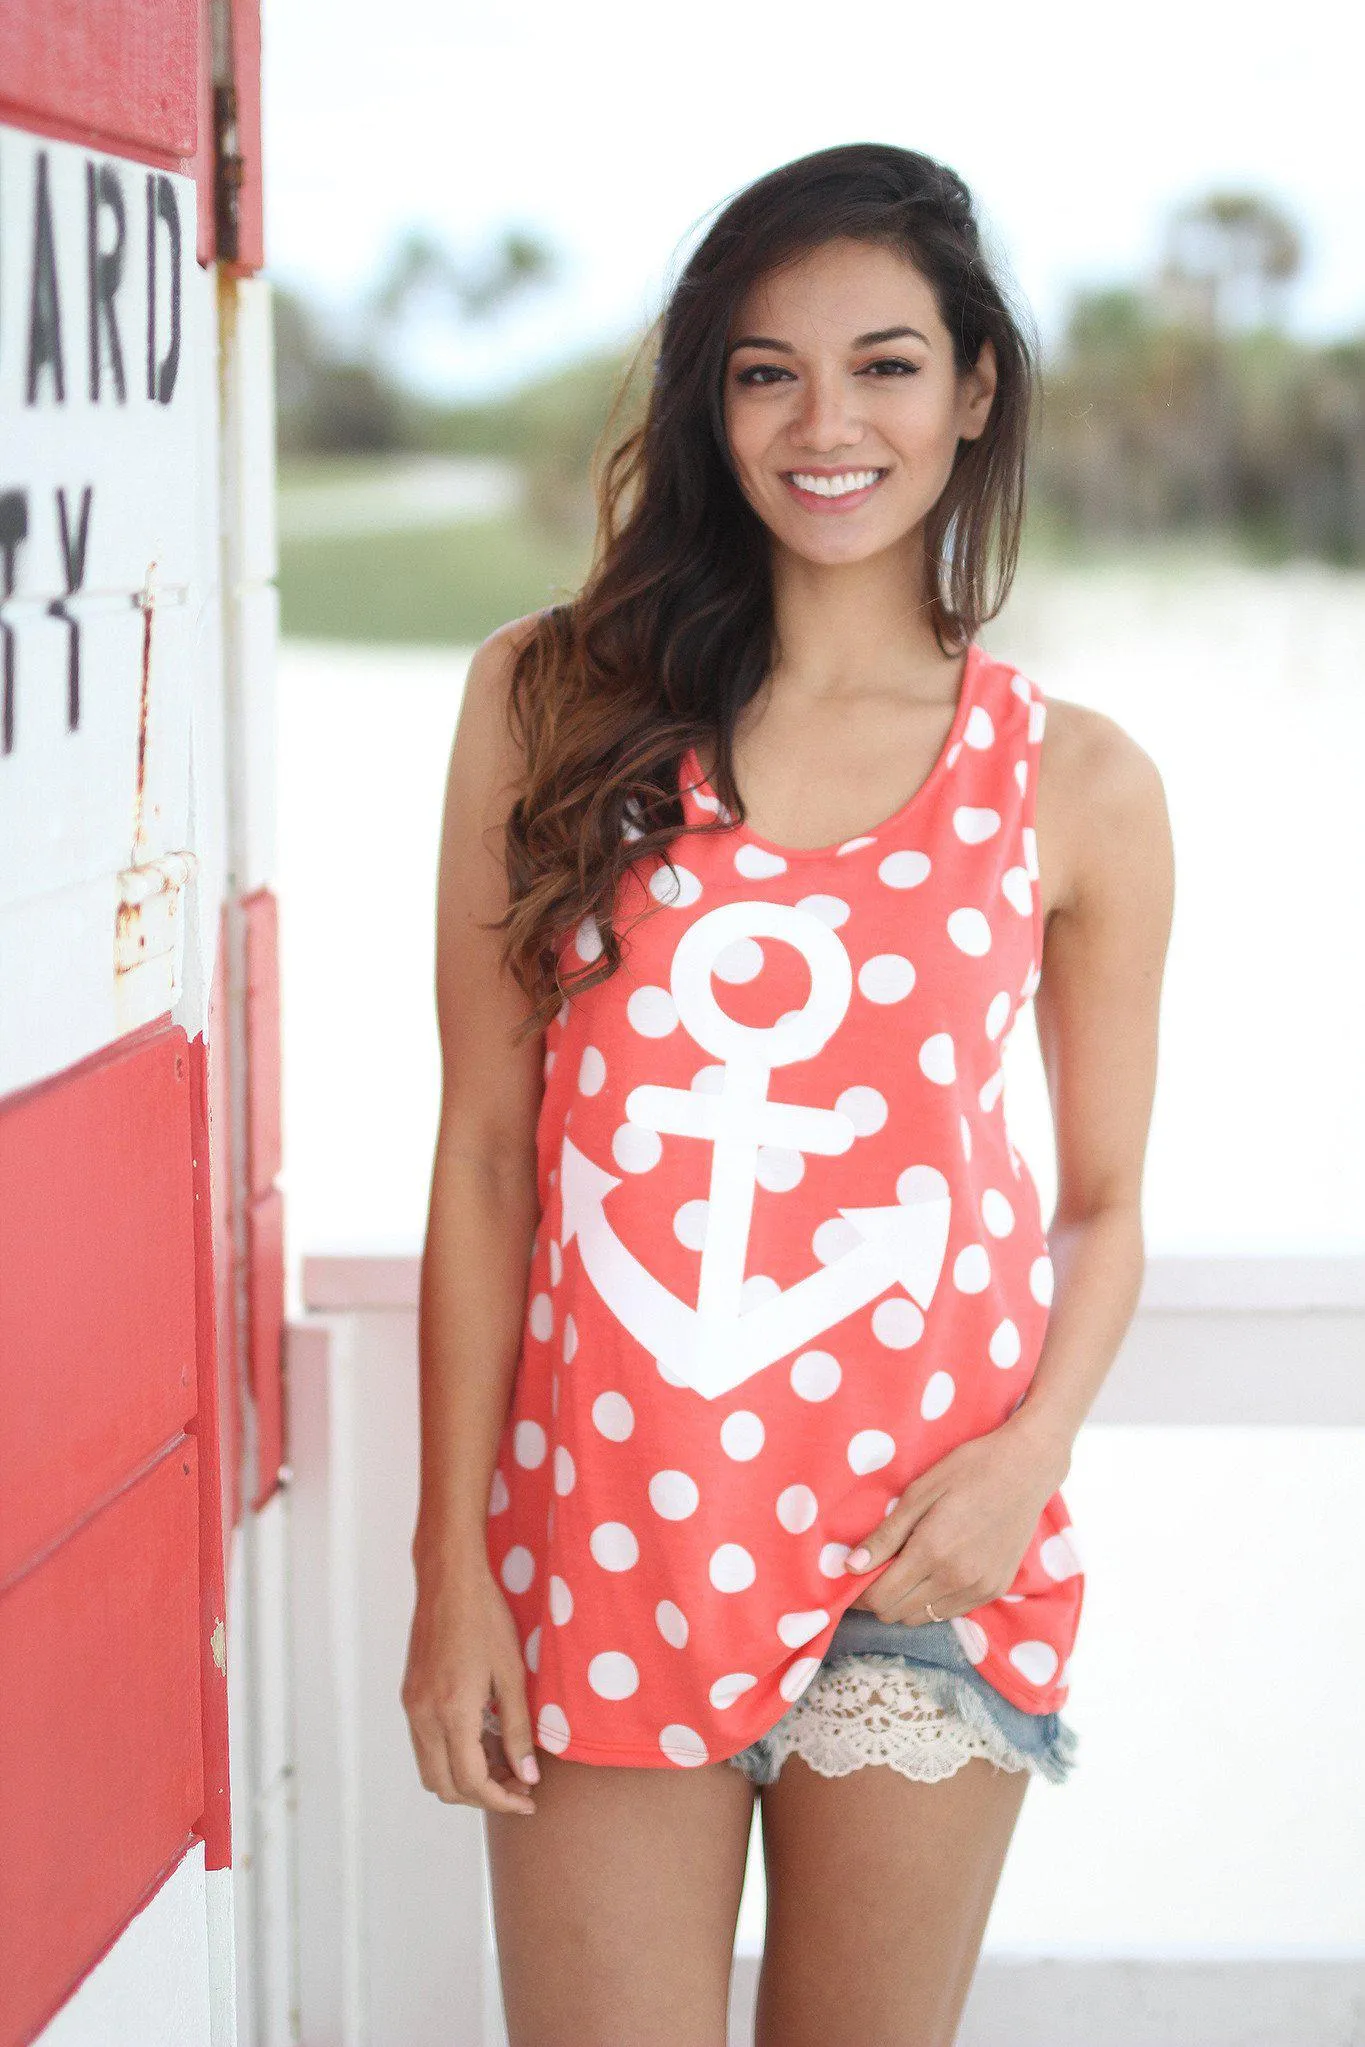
[483, 1213]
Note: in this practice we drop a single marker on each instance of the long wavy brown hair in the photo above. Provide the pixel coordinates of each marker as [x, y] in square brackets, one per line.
[671, 633]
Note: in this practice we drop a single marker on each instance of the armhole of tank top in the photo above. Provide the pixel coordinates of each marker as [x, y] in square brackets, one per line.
[1033, 756]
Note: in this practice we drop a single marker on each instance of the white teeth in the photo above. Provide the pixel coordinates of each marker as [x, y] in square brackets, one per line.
[835, 486]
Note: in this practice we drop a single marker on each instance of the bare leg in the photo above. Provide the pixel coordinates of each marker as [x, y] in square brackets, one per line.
[615, 1904]
[879, 1890]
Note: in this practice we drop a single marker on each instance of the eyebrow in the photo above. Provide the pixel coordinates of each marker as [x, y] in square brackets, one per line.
[879, 334]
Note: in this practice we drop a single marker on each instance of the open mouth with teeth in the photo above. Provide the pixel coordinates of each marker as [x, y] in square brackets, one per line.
[832, 490]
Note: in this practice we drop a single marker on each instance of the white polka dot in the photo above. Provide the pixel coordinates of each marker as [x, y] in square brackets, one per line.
[614, 1416]
[1005, 1347]
[1030, 839]
[741, 1435]
[1021, 686]
[673, 1495]
[778, 1169]
[1036, 1660]
[570, 1337]
[996, 1213]
[565, 1471]
[897, 1322]
[652, 1012]
[815, 1375]
[689, 1224]
[1040, 1280]
[613, 1675]
[886, 977]
[732, 1686]
[953, 751]
[833, 1239]
[1058, 1557]
[757, 1288]
[972, 1636]
[740, 960]
[1021, 775]
[852, 845]
[708, 1080]
[588, 939]
[1031, 980]
[561, 1602]
[676, 887]
[970, 932]
[671, 1622]
[529, 1445]
[974, 825]
[905, 869]
[937, 1396]
[542, 1317]
[794, 1681]
[755, 863]
[936, 1061]
[518, 1568]
[971, 1269]
[1037, 721]
[797, 1508]
[556, 1262]
[731, 1568]
[552, 1730]
[531, 1651]
[870, 1449]
[865, 1109]
[1017, 890]
[635, 1149]
[980, 732]
[998, 1015]
[614, 1546]
[964, 1130]
[831, 1559]
[498, 1496]
[683, 1745]
[831, 910]
[795, 1629]
[992, 1089]
[592, 1070]
[921, 1183]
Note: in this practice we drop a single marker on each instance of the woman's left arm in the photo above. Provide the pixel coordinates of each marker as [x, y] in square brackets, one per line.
[963, 1526]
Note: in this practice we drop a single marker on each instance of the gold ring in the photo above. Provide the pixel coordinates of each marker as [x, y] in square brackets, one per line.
[930, 1611]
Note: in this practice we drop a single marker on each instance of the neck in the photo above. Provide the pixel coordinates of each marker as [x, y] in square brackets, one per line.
[839, 626]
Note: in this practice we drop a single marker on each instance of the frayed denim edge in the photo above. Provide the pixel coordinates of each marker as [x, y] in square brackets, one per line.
[951, 1689]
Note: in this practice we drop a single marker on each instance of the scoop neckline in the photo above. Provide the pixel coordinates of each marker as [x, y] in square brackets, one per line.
[965, 700]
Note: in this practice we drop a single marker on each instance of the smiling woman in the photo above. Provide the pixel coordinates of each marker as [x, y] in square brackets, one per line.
[747, 1401]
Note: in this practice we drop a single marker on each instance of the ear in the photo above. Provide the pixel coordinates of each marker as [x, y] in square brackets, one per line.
[977, 394]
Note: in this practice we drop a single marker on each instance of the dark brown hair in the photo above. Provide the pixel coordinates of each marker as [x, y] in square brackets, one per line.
[671, 633]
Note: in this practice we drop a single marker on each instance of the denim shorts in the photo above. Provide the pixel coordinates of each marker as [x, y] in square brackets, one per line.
[933, 1651]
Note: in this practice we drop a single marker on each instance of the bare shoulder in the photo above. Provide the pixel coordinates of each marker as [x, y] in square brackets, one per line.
[1101, 802]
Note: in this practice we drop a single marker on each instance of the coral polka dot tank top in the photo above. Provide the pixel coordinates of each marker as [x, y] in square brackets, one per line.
[788, 1257]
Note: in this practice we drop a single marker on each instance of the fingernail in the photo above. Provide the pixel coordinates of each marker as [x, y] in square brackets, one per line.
[529, 1769]
[859, 1560]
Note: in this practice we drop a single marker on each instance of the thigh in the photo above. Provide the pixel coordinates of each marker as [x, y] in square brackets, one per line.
[615, 1904]
[879, 1890]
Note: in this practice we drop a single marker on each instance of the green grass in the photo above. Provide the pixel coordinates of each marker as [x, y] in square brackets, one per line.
[436, 585]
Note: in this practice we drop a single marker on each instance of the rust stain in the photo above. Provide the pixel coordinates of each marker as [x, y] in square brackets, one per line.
[218, 1644]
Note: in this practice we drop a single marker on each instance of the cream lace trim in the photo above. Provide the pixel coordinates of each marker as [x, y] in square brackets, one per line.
[864, 1709]
[873, 1709]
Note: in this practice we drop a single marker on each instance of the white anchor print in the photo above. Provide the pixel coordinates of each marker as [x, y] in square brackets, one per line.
[714, 1346]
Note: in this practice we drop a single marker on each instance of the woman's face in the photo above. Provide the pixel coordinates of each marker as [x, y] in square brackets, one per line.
[843, 404]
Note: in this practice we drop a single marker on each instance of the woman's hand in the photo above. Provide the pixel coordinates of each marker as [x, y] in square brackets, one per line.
[959, 1532]
[462, 1648]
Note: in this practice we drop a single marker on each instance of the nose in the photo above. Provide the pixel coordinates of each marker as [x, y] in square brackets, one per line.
[826, 421]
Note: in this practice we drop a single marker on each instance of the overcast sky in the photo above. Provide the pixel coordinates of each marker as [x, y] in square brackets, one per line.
[614, 130]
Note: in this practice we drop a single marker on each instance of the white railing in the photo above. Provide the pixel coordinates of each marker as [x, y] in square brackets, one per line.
[394, 1927]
